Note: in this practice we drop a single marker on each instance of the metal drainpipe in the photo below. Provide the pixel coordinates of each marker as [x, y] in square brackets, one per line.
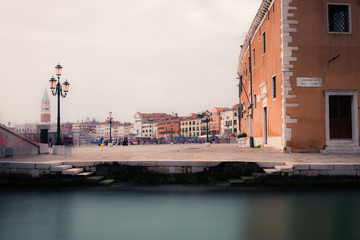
[239, 108]
[251, 100]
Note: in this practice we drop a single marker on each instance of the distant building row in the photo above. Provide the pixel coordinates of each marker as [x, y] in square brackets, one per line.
[221, 122]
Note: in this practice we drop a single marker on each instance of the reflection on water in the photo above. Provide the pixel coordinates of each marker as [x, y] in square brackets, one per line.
[171, 215]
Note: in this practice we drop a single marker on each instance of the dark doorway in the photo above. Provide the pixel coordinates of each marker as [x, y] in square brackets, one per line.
[265, 124]
[340, 117]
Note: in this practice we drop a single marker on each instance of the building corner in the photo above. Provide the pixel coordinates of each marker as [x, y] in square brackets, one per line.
[288, 26]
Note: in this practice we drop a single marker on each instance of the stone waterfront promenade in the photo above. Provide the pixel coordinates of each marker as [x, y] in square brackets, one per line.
[183, 159]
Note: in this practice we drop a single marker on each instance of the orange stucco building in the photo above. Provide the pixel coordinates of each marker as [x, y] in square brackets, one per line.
[169, 128]
[215, 121]
[299, 76]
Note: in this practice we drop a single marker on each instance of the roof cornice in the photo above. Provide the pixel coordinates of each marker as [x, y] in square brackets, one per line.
[256, 23]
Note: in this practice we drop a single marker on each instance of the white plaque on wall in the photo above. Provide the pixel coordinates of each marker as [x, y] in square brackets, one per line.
[308, 82]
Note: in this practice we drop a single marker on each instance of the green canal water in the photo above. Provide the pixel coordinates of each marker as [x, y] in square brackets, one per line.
[178, 212]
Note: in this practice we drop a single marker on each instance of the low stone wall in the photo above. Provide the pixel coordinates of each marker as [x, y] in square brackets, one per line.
[326, 169]
[205, 168]
[12, 144]
[108, 168]
[312, 169]
[230, 169]
[26, 170]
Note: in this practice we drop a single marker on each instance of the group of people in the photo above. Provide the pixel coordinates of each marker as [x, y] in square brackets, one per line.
[118, 141]
[67, 141]
[195, 140]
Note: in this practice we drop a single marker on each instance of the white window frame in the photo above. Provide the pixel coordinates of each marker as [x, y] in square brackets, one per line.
[272, 87]
[327, 17]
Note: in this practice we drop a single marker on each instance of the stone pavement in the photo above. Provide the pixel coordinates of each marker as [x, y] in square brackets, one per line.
[186, 152]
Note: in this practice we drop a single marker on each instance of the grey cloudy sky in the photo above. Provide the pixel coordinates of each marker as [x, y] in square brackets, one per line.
[120, 55]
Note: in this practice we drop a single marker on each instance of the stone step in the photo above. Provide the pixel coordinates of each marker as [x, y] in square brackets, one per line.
[284, 169]
[339, 152]
[235, 181]
[269, 164]
[259, 176]
[341, 149]
[72, 171]
[85, 174]
[340, 142]
[107, 181]
[47, 165]
[247, 178]
[351, 150]
[96, 178]
[60, 168]
[271, 171]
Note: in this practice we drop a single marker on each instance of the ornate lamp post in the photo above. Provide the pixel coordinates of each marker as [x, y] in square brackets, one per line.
[58, 90]
[110, 118]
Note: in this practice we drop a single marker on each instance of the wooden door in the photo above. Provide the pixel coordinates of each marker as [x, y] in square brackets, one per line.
[340, 117]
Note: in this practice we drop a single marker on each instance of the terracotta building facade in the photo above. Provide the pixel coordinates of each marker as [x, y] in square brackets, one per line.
[168, 128]
[141, 118]
[299, 76]
[215, 121]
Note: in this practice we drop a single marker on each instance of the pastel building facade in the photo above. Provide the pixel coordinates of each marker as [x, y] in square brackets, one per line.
[299, 76]
[190, 127]
[229, 122]
[147, 129]
[155, 129]
[141, 118]
[122, 130]
[103, 129]
[215, 119]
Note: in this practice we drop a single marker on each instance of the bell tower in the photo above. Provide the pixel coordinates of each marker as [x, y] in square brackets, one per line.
[45, 108]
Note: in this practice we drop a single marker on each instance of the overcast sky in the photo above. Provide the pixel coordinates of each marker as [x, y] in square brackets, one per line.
[120, 55]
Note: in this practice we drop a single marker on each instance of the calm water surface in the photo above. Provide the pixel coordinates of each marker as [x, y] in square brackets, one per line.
[178, 213]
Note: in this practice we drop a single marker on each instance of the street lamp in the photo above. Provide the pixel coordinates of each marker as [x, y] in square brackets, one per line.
[207, 126]
[207, 120]
[110, 118]
[171, 134]
[58, 90]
